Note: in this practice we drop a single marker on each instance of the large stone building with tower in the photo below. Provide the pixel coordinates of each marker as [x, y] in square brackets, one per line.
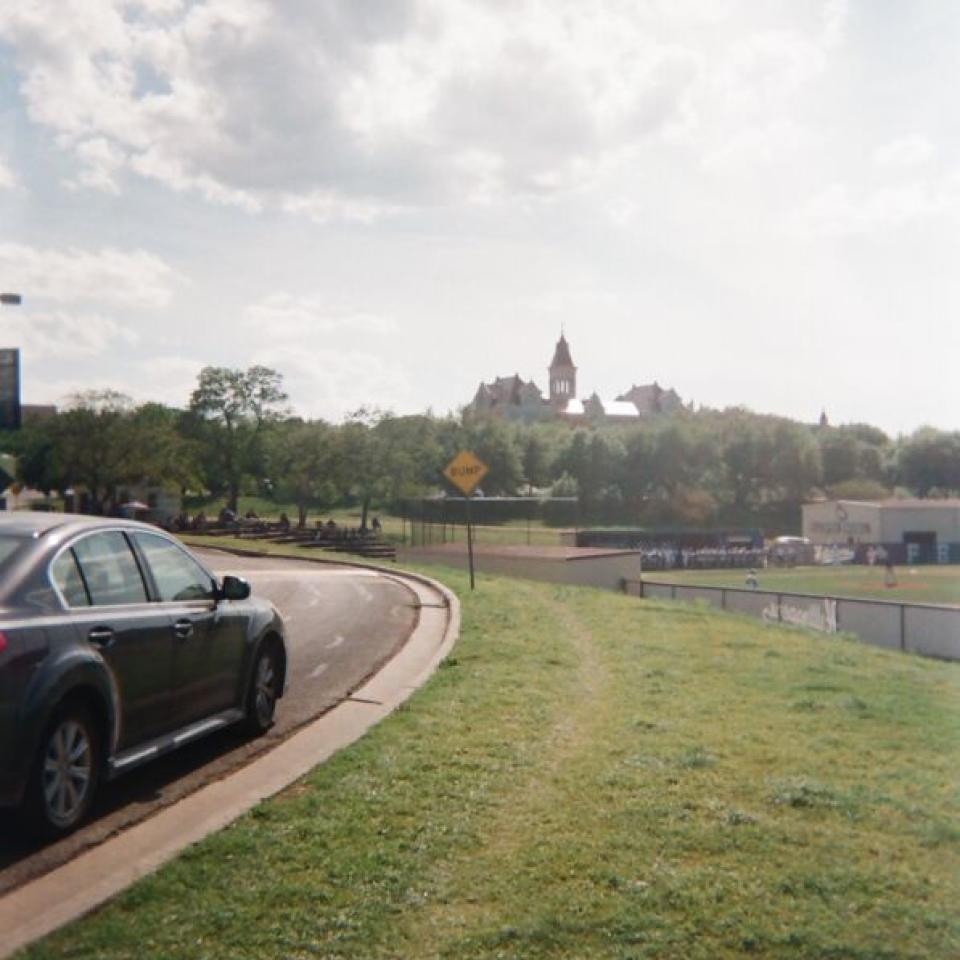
[513, 398]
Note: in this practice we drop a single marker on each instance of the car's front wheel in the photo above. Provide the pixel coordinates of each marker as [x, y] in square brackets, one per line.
[264, 689]
[66, 773]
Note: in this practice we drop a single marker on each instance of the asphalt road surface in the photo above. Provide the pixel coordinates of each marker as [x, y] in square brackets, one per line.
[343, 624]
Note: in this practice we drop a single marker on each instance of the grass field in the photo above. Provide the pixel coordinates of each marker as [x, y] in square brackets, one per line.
[593, 776]
[921, 584]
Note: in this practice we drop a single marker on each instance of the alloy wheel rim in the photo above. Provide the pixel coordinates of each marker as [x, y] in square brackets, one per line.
[265, 688]
[67, 771]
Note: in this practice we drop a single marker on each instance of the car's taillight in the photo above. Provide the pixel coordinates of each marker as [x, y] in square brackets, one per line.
[3, 641]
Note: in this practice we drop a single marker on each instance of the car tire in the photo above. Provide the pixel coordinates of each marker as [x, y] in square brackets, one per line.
[66, 773]
[264, 690]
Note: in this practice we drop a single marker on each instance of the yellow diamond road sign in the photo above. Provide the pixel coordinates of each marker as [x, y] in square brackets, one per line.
[465, 471]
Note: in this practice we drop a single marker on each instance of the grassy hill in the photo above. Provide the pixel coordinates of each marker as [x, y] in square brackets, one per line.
[590, 775]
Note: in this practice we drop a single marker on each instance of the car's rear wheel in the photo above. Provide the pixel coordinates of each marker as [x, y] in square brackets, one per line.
[66, 772]
[264, 689]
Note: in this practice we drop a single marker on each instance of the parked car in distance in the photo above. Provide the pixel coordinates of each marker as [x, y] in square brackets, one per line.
[117, 645]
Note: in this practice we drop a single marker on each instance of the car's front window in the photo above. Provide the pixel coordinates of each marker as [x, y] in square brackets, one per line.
[110, 569]
[177, 575]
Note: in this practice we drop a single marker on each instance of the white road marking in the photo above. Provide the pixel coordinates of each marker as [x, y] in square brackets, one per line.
[333, 644]
[363, 591]
[317, 670]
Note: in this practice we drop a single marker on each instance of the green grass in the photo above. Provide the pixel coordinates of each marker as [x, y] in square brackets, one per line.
[589, 775]
[919, 584]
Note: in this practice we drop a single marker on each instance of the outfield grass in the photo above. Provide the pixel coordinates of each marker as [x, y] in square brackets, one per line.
[589, 775]
[920, 584]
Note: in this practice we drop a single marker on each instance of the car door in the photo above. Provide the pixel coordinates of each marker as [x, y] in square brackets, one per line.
[208, 637]
[132, 634]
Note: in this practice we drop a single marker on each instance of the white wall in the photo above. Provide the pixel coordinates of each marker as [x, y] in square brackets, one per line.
[837, 521]
[598, 571]
[942, 520]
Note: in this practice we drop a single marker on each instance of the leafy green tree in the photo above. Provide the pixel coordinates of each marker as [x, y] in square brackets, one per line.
[535, 462]
[494, 442]
[929, 461]
[96, 446]
[367, 471]
[231, 410]
[166, 457]
[412, 451]
[304, 464]
[681, 456]
[795, 467]
[38, 465]
[747, 453]
[861, 488]
[637, 478]
[100, 442]
[840, 453]
[595, 461]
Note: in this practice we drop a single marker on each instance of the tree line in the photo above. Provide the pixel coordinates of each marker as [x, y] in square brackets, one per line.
[236, 436]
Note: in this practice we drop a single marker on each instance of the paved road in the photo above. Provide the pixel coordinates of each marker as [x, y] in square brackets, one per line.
[343, 623]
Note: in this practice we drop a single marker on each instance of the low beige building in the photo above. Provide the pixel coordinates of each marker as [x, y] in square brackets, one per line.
[927, 523]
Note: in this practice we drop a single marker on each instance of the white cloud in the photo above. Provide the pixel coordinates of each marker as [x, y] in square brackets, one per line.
[7, 179]
[60, 335]
[128, 278]
[331, 359]
[331, 382]
[324, 206]
[162, 379]
[360, 111]
[102, 162]
[307, 320]
[169, 379]
[841, 210]
[912, 151]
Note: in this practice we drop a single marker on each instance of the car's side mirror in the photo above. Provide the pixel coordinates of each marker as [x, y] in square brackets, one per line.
[234, 588]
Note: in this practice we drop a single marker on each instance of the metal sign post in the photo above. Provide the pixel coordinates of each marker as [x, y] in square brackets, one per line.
[465, 471]
[470, 542]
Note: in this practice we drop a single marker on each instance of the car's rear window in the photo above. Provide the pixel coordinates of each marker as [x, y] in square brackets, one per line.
[9, 546]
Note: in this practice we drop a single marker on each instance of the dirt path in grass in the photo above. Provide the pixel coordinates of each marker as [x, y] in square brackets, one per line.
[475, 888]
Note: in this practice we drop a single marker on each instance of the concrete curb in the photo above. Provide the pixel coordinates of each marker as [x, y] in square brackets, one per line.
[84, 883]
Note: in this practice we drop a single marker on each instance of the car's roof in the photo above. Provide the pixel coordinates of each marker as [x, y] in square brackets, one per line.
[26, 523]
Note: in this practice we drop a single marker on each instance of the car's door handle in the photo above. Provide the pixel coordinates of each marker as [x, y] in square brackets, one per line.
[101, 636]
[183, 629]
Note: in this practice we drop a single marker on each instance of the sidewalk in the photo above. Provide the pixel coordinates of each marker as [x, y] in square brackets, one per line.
[80, 886]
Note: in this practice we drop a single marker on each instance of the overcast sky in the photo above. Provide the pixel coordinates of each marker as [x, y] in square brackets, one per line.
[755, 202]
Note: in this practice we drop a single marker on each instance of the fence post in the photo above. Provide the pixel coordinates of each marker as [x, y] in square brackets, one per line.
[723, 599]
[839, 606]
[779, 608]
[903, 627]
[673, 591]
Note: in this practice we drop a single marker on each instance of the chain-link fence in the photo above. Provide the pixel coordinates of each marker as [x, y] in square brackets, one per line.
[535, 521]
[926, 629]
